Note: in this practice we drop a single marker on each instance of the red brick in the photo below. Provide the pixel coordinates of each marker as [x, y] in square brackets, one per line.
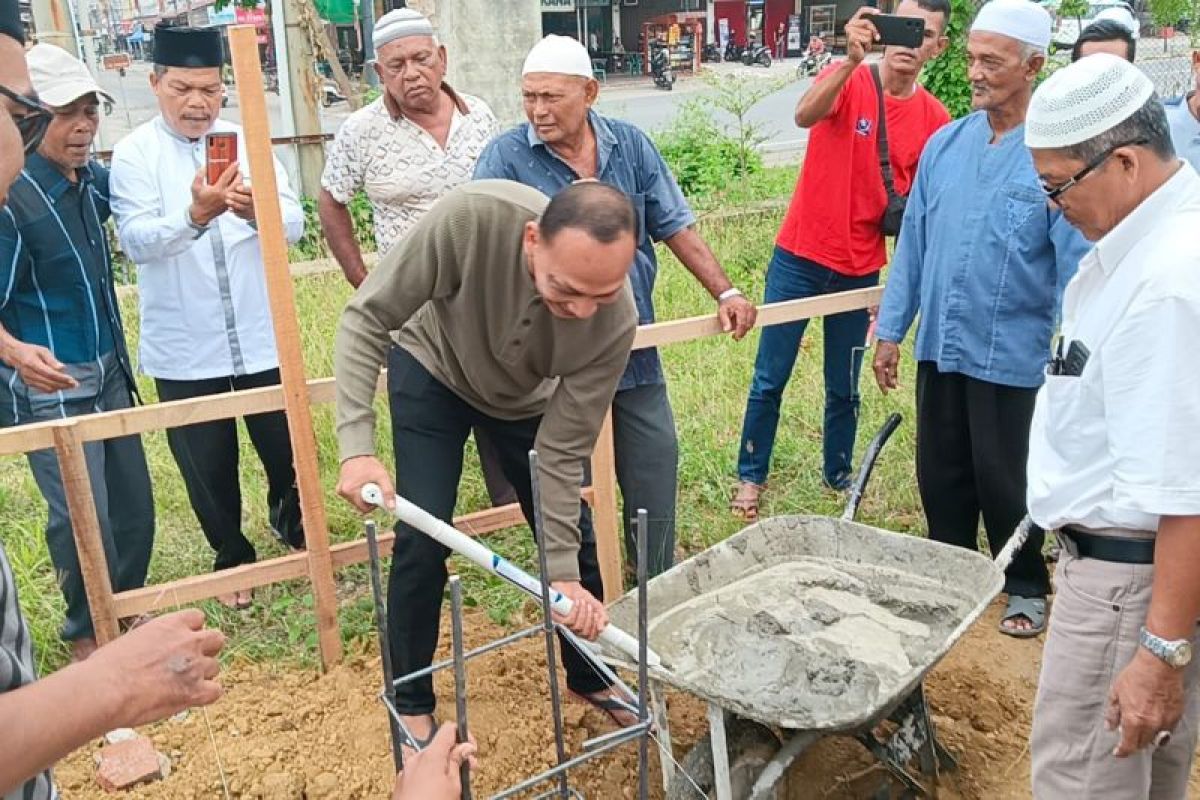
[127, 764]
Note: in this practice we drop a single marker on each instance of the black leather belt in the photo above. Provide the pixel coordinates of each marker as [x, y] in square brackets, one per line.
[1121, 550]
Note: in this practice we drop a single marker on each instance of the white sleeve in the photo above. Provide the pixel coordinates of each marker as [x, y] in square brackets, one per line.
[145, 233]
[289, 206]
[344, 164]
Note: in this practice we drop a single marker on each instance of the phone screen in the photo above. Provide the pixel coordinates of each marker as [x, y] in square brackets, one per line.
[220, 152]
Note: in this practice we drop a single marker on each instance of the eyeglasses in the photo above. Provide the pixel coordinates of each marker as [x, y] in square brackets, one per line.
[32, 125]
[1055, 192]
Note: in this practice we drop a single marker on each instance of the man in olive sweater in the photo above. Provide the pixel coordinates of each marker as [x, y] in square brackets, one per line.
[513, 314]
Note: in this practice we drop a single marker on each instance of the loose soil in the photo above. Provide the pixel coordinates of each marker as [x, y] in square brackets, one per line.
[287, 734]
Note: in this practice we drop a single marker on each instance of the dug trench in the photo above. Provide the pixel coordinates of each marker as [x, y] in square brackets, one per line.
[291, 734]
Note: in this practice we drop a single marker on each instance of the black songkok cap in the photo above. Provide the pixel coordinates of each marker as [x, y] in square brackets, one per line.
[186, 47]
[10, 20]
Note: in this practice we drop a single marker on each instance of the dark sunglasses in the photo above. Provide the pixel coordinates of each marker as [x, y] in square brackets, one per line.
[32, 124]
[1055, 192]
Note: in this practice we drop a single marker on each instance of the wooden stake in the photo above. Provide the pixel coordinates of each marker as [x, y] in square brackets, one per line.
[248, 75]
[81, 505]
[604, 513]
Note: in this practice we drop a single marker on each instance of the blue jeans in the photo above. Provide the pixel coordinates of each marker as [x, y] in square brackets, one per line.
[790, 277]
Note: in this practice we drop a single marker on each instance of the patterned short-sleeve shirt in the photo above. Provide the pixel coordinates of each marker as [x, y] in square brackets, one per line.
[400, 166]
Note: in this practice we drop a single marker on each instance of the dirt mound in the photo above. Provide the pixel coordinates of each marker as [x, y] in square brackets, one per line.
[284, 734]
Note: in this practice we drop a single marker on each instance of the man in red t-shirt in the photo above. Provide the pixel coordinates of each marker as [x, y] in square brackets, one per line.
[831, 239]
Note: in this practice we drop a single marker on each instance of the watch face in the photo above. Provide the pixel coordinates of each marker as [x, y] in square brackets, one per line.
[1182, 655]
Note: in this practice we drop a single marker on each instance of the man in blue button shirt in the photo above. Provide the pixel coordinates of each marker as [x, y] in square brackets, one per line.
[1183, 115]
[984, 259]
[566, 141]
[62, 348]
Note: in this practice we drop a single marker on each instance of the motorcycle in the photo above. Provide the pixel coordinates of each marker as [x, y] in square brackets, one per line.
[733, 51]
[756, 54]
[330, 94]
[660, 66]
[812, 63]
[711, 53]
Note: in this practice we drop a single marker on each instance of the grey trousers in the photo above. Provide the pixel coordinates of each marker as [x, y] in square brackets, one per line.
[647, 455]
[1099, 608]
[120, 484]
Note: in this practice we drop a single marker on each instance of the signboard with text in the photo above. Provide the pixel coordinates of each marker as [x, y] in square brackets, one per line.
[115, 61]
[549, 6]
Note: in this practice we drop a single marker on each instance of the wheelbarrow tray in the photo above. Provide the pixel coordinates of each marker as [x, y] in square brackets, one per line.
[809, 622]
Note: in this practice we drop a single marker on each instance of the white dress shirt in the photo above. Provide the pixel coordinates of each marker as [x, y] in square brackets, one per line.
[203, 296]
[403, 169]
[1119, 445]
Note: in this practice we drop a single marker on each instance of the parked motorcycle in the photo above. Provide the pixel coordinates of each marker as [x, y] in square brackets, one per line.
[756, 54]
[733, 51]
[711, 53]
[330, 94]
[660, 66]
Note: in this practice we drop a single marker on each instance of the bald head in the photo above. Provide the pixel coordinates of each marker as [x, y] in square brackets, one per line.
[581, 250]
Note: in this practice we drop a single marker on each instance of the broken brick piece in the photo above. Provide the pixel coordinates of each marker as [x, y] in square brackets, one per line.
[126, 764]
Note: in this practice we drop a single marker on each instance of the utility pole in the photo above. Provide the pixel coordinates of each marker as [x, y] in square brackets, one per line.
[368, 33]
[52, 18]
[298, 92]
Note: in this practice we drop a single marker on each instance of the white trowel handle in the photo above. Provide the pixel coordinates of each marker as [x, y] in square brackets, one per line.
[470, 548]
[1014, 544]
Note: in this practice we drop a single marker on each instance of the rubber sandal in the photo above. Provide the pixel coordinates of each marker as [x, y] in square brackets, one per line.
[609, 706]
[742, 504]
[1032, 609]
[413, 743]
[246, 602]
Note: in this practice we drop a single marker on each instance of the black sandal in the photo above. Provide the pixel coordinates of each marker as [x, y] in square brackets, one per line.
[413, 743]
[610, 706]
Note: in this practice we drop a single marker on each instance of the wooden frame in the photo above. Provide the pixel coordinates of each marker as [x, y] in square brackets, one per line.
[295, 396]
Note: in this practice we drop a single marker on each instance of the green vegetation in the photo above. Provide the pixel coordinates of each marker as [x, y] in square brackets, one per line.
[946, 76]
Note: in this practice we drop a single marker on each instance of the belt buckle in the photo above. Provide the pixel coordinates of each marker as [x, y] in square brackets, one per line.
[1067, 542]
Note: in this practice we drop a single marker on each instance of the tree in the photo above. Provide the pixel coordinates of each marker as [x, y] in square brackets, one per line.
[946, 75]
[1076, 9]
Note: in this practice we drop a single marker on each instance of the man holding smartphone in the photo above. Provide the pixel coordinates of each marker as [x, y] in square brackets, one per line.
[205, 319]
[832, 239]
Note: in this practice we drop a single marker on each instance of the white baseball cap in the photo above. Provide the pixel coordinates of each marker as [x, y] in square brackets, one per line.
[59, 78]
[1085, 99]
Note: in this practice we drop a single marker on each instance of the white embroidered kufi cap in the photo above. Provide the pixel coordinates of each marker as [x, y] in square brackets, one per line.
[1085, 99]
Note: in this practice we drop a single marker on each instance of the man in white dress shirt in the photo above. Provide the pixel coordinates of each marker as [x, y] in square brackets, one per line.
[1113, 446]
[205, 318]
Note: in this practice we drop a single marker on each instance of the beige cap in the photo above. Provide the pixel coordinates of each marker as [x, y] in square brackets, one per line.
[59, 78]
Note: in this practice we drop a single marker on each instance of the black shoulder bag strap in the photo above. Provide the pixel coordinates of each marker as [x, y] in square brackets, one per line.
[893, 215]
[885, 163]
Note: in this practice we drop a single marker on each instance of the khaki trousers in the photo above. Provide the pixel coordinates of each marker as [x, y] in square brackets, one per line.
[1099, 608]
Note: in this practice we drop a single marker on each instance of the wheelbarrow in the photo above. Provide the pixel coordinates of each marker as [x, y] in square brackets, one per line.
[801, 627]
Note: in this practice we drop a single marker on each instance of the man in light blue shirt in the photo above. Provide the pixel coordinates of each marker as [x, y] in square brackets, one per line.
[1183, 115]
[566, 141]
[984, 259]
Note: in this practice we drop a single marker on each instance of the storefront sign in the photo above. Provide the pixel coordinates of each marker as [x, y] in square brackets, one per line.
[549, 6]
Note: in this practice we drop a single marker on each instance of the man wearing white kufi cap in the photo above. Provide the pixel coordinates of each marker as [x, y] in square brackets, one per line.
[1112, 453]
[418, 140]
[566, 141]
[983, 259]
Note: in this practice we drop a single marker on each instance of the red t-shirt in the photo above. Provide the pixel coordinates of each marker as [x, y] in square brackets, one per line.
[839, 200]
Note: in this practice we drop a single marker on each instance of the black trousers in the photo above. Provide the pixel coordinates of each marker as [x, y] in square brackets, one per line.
[972, 446]
[207, 455]
[429, 428]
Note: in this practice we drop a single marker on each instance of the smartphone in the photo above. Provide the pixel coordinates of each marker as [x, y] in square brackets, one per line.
[902, 31]
[220, 152]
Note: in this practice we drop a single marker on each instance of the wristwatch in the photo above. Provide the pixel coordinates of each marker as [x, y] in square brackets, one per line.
[1176, 653]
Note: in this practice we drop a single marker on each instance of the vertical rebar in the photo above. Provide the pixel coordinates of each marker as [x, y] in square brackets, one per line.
[385, 650]
[643, 528]
[460, 677]
[548, 622]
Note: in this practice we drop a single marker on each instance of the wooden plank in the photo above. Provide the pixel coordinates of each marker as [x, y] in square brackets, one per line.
[604, 513]
[685, 330]
[81, 506]
[203, 587]
[247, 71]
[159, 416]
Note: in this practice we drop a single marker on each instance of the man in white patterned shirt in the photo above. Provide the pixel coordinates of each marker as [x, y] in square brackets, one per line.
[408, 148]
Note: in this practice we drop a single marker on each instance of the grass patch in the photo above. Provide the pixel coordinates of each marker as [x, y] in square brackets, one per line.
[708, 383]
